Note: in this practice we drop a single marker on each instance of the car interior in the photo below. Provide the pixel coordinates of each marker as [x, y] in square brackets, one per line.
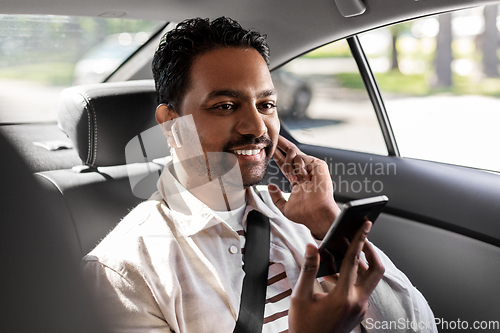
[441, 226]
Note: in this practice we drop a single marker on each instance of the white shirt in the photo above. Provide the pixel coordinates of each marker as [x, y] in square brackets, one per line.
[278, 291]
[170, 265]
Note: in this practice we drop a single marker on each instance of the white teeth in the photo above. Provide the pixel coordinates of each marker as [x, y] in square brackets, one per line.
[247, 152]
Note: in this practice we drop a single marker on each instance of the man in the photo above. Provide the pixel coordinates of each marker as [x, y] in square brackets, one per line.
[175, 262]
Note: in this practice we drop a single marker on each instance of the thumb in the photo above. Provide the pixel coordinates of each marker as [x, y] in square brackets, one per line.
[305, 285]
[277, 197]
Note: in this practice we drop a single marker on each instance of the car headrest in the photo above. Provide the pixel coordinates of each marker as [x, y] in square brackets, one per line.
[102, 118]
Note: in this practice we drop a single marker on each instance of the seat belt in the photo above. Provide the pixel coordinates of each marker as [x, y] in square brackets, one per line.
[253, 295]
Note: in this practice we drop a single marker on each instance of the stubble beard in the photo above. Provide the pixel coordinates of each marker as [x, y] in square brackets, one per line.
[212, 166]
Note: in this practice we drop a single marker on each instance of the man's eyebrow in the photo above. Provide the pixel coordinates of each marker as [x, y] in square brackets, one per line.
[226, 93]
[267, 93]
[238, 93]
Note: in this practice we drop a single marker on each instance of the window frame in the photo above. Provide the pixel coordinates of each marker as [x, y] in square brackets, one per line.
[374, 94]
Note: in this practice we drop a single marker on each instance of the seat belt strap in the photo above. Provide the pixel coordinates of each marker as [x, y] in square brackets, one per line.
[253, 295]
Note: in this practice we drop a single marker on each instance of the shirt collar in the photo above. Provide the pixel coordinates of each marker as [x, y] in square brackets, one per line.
[254, 201]
[190, 214]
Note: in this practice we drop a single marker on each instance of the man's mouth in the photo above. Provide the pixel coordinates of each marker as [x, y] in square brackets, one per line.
[247, 152]
[250, 154]
[251, 149]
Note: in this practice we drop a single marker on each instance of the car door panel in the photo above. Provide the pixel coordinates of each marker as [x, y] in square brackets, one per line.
[455, 273]
[460, 199]
[441, 226]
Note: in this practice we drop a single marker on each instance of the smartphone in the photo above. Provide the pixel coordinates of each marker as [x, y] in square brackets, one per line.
[353, 215]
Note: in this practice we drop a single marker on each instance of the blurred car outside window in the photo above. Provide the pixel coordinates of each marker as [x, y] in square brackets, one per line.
[42, 54]
[322, 101]
[439, 77]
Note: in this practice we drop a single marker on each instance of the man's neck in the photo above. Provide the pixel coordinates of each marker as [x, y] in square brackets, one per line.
[212, 193]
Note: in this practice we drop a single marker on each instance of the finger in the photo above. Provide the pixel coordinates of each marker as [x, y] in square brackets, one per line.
[279, 156]
[305, 284]
[332, 278]
[349, 268]
[291, 160]
[289, 164]
[362, 265]
[317, 167]
[299, 168]
[284, 160]
[285, 145]
[280, 159]
[362, 268]
[375, 270]
[277, 197]
[328, 261]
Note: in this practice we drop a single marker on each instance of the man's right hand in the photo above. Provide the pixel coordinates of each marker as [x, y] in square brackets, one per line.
[344, 307]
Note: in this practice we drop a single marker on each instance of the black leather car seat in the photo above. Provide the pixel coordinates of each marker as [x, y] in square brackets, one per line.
[41, 289]
[103, 120]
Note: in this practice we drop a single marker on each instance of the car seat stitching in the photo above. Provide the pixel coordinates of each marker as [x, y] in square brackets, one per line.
[89, 125]
[94, 116]
[90, 135]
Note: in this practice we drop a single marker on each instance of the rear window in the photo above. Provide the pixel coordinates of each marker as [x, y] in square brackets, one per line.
[42, 54]
[440, 80]
[322, 101]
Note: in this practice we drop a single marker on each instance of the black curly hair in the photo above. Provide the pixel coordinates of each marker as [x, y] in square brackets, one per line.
[190, 38]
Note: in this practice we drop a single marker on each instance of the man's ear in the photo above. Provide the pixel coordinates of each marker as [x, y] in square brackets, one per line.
[165, 116]
[165, 113]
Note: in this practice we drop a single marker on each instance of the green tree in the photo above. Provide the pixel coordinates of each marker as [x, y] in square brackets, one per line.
[444, 55]
[490, 41]
[396, 31]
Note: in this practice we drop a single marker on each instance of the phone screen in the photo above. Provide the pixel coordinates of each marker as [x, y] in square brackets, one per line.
[350, 219]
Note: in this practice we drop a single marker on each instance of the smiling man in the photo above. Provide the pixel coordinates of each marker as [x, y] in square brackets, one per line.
[176, 262]
[232, 102]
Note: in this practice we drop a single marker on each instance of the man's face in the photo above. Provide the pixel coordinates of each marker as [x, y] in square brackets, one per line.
[232, 100]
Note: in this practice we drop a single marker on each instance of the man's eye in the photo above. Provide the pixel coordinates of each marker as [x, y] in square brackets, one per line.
[225, 107]
[268, 106]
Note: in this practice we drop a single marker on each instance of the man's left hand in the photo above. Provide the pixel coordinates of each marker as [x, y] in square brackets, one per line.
[311, 202]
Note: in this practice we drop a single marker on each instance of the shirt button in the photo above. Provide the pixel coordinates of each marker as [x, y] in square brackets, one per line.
[233, 249]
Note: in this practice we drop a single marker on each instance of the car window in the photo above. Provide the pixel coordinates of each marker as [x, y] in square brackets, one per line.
[42, 54]
[322, 101]
[439, 77]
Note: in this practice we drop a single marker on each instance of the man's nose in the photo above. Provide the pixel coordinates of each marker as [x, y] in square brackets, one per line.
[252, 123]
